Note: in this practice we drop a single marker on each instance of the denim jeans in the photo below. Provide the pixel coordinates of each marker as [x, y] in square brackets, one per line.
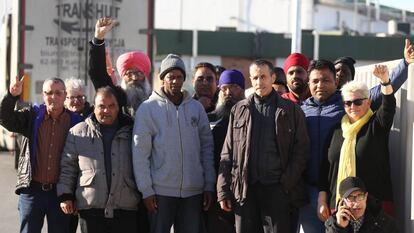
[34, 205]
[308, 218]
[183, 213]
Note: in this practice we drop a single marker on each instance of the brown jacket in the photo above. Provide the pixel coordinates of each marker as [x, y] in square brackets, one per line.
[293, 145]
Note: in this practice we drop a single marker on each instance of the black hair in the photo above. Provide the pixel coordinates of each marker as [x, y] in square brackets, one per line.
[348, 61]
[322, 64]
[280, 75]
[106, 91]
[219, 70]
[206, 65]
[263, 62]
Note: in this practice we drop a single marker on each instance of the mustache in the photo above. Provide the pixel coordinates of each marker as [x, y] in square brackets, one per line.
[136, 92]
[296, 79]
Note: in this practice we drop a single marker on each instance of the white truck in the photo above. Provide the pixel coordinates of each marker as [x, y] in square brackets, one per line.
[49, 38]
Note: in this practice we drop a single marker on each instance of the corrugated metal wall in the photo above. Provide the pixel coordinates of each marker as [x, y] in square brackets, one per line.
[401, 145]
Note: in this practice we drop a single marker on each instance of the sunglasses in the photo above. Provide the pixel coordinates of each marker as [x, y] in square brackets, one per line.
[357, 102]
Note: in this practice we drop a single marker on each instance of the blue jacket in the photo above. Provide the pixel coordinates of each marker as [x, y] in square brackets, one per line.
[321, 118]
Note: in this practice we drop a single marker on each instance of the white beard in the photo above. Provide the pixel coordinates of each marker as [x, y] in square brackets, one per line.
[136, 94]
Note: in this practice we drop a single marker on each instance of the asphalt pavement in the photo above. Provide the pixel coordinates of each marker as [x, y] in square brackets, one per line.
[9, 216]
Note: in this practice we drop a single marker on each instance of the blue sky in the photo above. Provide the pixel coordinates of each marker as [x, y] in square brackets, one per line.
[402, 4]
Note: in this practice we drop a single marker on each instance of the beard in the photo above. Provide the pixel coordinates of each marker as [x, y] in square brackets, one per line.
[136, 92]
[223, 107]
[300, 88]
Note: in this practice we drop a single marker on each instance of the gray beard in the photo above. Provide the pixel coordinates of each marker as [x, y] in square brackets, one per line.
[223, 109]
[136, 94]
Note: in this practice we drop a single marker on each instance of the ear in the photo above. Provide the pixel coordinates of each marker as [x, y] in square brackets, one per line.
[336, 81]
[273, 77]
[369, 102]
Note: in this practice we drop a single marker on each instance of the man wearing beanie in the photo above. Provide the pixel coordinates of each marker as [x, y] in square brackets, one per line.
[134, 69]
[357, 212]
[345, 70]
[205, 85]
[263, 157]
[173, 154]
[295, 67]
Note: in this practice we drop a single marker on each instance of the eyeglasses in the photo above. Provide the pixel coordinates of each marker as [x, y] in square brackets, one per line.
[57, 92]
[357, 102]
[355, 198]
[78, 98]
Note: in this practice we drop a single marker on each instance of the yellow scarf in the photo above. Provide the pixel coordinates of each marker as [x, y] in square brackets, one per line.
[347, 159]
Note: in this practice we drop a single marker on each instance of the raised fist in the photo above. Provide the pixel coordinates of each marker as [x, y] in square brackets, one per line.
[104, 25]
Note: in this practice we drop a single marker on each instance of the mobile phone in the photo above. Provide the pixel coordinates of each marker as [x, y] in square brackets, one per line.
[342, 203]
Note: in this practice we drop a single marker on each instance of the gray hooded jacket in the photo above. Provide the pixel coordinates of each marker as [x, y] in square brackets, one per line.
[172, 148]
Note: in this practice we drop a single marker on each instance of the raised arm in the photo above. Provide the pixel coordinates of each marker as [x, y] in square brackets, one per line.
[398, 76]
[11, 119]
[97, 57]
[386, 112]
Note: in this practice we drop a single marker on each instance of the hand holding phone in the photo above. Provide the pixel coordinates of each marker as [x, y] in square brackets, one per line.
[344, 215]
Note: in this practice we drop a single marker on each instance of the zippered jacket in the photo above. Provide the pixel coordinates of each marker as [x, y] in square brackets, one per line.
[172, 147]
[83, 168]
[293, 148]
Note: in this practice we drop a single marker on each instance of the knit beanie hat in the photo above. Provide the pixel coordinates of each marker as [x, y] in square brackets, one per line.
[348, 61]
[171, 62]
[135, 59]
[231, 77]
[296, 59]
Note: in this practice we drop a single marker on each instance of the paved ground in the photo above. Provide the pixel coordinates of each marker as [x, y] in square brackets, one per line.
[9, 216]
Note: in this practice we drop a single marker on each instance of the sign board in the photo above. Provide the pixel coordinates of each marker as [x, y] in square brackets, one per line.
[57, 34]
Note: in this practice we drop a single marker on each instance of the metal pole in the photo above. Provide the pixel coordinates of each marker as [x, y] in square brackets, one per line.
[296, 27]
[195, 48]
[315, 45]
[150, 35]
[355, 15]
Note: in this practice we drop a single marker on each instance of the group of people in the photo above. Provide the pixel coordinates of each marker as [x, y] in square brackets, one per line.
[296, 154]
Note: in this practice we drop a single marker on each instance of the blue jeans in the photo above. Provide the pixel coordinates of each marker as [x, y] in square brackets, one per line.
[308, 218]
[184, 213]
[34, 205]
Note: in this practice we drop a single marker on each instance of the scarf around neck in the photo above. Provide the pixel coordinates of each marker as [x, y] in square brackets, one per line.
[347, 159]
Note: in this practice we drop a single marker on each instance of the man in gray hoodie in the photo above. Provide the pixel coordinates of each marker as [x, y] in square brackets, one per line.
[173, 153]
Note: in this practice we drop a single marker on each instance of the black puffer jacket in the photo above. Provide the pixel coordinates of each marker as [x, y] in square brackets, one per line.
[375, 221]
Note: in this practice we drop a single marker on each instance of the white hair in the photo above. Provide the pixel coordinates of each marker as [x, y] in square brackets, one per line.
[75, 84]
[354, 87]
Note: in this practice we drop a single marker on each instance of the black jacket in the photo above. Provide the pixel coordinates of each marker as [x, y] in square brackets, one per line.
[26, 122]
[372, 155]
[375, 221]
[100, 77]
[219, 125]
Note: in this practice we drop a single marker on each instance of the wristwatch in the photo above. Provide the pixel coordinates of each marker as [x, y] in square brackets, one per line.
[387, 83]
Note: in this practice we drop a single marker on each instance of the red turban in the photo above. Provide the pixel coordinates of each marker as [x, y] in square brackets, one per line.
[296, 59]
[137, 60]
